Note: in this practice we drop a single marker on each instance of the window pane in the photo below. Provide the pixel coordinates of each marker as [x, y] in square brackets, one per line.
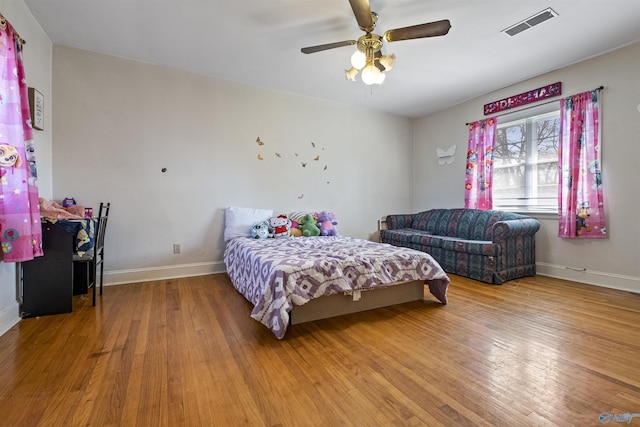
[545, 193]
[510, 145]
[509, 164]
[526, 164]
[547, 138]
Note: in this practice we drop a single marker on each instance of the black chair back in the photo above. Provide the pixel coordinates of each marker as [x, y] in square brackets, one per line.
[101, 228]
[95, 257]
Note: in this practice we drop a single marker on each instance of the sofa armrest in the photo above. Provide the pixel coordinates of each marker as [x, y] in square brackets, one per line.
[504, 230]
[396, 222]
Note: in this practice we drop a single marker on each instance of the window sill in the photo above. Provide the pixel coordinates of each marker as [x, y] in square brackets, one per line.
[538, 214]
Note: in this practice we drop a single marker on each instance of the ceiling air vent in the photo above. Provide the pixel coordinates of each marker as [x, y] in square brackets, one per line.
[536, 19]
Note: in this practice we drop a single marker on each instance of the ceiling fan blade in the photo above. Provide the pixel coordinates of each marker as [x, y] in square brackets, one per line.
[430, 29]
[321, 47]
[362, 11]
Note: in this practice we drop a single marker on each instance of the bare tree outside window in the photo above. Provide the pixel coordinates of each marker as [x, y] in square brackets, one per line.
[525, 161]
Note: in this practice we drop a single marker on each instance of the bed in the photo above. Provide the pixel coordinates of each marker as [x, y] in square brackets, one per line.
[293, 280]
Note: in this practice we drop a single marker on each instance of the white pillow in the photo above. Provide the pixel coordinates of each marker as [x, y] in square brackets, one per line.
[238, 221]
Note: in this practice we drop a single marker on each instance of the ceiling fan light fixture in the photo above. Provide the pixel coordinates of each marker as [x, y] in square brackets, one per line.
[358, 59]
[368, 59]
[387, 61]
[351, 74]
[370, 74]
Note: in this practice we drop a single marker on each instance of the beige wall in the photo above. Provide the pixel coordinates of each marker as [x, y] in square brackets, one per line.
[613, 262]
[119, 122]
[37, 60]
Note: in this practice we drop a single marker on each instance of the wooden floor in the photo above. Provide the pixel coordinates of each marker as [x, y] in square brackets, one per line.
[185, 352]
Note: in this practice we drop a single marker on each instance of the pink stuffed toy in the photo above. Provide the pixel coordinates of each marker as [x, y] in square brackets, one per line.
[326, 223]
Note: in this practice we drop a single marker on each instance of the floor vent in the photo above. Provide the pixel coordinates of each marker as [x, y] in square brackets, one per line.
[534, 20]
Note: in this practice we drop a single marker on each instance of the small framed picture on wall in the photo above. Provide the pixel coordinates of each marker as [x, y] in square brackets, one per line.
[36, 104]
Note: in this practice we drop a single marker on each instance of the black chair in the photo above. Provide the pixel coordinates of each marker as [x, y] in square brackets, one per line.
[95, 256]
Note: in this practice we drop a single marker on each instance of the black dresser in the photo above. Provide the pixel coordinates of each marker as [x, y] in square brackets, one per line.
[47, 281]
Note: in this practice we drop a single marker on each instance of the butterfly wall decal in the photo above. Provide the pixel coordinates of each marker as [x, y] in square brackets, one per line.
[446, 157]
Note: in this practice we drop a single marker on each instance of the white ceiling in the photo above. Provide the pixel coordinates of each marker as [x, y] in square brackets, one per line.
[258, 42]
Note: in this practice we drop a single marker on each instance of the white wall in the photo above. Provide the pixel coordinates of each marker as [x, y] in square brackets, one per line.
[37, 60]
[119, 122]
[612, 262]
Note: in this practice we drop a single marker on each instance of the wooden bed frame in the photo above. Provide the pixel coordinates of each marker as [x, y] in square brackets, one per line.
[340, 304]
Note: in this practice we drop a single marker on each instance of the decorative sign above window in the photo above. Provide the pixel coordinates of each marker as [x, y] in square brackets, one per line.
[525, 98]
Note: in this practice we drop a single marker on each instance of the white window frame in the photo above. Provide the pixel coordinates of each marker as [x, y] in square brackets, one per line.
[529, 203]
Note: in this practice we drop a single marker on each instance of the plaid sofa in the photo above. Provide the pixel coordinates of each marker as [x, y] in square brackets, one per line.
[490, 246]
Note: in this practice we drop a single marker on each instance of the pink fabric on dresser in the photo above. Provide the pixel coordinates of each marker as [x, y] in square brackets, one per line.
[53, 210]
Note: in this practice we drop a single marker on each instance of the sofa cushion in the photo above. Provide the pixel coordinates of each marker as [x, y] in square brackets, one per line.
[426, 240]
[463, 223]
[406, 236]
[412, 238]
[479, 247]
[425, 221]
[468, 224]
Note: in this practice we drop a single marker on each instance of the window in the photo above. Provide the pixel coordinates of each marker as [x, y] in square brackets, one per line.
[525, 161]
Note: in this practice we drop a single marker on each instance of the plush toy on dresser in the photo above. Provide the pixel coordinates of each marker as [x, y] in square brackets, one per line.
[327, 223]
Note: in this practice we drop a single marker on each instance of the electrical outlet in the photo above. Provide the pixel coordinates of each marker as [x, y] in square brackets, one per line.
[176, 248]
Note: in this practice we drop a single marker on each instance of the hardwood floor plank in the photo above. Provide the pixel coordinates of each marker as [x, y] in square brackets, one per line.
[532, 352]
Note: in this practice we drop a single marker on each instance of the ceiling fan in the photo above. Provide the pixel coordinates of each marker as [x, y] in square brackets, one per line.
[368, 57]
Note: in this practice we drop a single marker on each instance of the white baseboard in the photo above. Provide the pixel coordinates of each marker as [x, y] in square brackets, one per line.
[9, 316]
[120, 277]
[590, 277]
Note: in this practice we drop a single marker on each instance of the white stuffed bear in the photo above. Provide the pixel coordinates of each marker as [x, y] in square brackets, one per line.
[279, 226]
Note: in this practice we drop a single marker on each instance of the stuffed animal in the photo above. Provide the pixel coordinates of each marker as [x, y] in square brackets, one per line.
[308, 226]
[295, 229]
[327, 223]
[279, 226]
[260, 230]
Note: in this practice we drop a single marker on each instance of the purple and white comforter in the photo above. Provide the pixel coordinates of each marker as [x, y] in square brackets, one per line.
[277, 274]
